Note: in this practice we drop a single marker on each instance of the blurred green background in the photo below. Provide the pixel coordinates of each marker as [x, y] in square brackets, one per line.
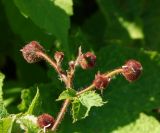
[114, 30]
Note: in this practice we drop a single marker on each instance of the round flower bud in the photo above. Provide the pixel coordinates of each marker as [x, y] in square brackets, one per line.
[87, 60]
[101, 81]
[132, 70]
[45, 121]
[30, 50]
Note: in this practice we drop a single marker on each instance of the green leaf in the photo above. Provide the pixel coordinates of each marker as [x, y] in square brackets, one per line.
[67, 94]
[47, 16]
[129, 18]
[151, 25]
[34, 106]
[6, 124]
[134, 29]
[126, 101]
[30, 103]
[91, 99]
[143, 124]
[115, 32]
[78, 110]
[44, 99]
[94, 35]
[28, 123]
[82, 105]
[18, 24]
[4, 33]
[3, 111]
[26, 96]
[66, 5]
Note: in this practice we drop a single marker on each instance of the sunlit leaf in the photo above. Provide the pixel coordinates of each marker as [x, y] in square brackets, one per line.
[66, 5]
[67, 94]
[35, 104]
[78, 110]
[47, 16]
[6, 124]
[144, 124]
[28, 123]
[82, 105]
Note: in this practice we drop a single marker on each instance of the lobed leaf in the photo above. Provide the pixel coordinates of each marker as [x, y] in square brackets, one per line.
[90, 99]
[126, 101]
[82, 105]
[78, 110]
[67, 94]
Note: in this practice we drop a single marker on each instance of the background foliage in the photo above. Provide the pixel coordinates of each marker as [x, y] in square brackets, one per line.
[115, 30]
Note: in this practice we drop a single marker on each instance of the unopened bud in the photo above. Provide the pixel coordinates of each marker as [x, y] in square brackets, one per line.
[132, 70]
[101, 81]
[87, 60]
[45, 120]
[30, 52]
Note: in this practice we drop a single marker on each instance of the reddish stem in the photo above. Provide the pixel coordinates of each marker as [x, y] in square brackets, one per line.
[110, 74]
[61, 114]
[67, 79]
[67, 101]
[54, 65]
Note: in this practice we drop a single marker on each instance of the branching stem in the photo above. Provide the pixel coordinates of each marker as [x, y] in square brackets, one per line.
[58, 69]
[110, 74]
[67, 101]
[33, 51]
[67, 79]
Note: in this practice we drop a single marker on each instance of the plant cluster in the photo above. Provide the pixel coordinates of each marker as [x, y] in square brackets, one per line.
[114, 33]
[85, 98]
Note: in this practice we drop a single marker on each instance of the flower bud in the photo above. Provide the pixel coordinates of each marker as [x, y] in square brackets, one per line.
[71, 64]
[132, 70]
[58, 56]
[30, 52]
[101, 81]
[87, 60]
[45, 120]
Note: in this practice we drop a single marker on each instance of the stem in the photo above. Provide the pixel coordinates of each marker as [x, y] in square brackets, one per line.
[49, 60]
[68, 83]
[62, 111]
[110, 74]
[72, 70]
[61, 114]
[54, 65]
[67, 78]
[67, 101]
[114, 72]
[86, 89]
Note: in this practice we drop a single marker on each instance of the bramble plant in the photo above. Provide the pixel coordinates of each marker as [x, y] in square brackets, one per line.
[53, 85]
[84, 99]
